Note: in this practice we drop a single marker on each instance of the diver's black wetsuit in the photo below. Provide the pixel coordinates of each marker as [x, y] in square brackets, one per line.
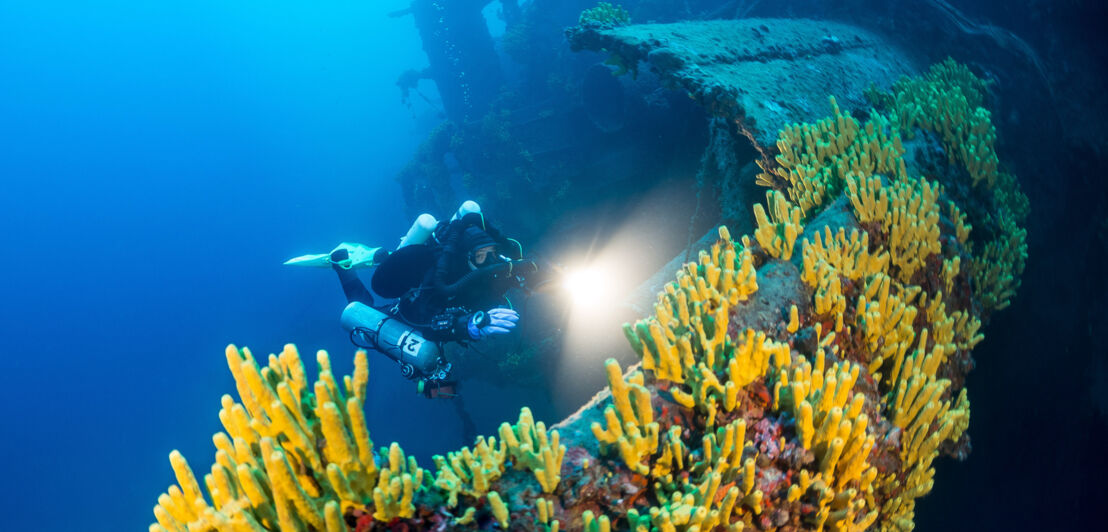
[419, 312]
[352, 286]
[449, 291]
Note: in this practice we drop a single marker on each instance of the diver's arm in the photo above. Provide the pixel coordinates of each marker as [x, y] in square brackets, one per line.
[470, 326]
[450, 326]
[448, 335]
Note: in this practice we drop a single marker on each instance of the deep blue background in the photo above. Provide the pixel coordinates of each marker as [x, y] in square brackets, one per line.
[159, 161]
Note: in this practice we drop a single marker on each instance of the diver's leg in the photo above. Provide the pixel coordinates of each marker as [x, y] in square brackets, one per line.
[352, 285]
[469, 428]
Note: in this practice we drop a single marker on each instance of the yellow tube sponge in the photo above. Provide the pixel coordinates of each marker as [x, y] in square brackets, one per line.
[708, 495]
[868, 197]
[631, 427]
[590, 523]
[828, 291]
[753, 356]
[913, 228]
[848, 256]
[814, 157]
[689, 327]
[333, 517]
[962, 227]
[470, 472]
[673, 454]
[289, 492]
[687, 343]
[499, 509]
[467, 516]
[886, 317]
[908, 212]
[393, 496]
[545, 509]
[722, 453]
[917, 406]
[532, 447]
[777, 232]
[794, 321]
[831, 421]
[294, 453]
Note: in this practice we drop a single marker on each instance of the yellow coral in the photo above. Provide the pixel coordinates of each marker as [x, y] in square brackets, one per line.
[827, 258]
[752, 358]
[532, 447]
[848, 256]
[686, 341]
[546, 509]
[962, 228]
[499, 509]
[470, 472]
[777, 232]
[269, 471]
[886, 316]
[630, 419]
[830, 418]
[907, 211]
[917, 406]
[467, 517]
[815, 158]
[906, 215]
[396, 486]
[591, 523]
[828, 291]
[673, 454]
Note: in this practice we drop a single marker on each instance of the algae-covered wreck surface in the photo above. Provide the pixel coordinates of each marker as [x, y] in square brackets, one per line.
[765, 72]
[804, 376]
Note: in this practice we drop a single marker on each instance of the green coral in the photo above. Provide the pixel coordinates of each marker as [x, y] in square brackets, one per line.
[948, 101]
[605, 15]
[996, 272]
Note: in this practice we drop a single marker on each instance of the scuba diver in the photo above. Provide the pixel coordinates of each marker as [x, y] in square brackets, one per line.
[446, 282]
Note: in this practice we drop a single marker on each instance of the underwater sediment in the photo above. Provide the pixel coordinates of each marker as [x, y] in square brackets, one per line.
[802, 377]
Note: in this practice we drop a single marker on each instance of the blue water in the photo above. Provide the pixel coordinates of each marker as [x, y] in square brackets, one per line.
[159, 161]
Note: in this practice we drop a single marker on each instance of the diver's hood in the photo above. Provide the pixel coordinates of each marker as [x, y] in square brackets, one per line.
[474, 238]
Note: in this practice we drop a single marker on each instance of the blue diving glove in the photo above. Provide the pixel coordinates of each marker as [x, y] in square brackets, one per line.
[495, 321]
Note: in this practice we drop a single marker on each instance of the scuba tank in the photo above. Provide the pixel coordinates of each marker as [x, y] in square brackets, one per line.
[424, 225]
[418, 357]
[467, 207]
[420, 230]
